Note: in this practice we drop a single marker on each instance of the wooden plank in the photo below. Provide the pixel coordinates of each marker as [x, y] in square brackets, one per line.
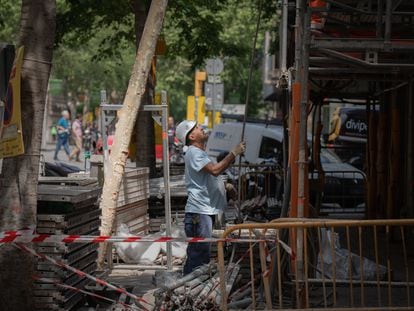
[72, 180]
[141, 207]
[138, 220]
[123, 200]
[66, 221]
[72, 194]
[135, 185]
[133, 214]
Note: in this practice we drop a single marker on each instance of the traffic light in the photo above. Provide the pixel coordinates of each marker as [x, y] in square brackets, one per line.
[200, 76]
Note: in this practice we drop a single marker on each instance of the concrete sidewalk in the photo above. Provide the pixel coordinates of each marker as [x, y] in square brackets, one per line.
[48, 152]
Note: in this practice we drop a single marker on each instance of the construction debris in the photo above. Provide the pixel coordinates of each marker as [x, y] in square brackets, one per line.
[198, 290]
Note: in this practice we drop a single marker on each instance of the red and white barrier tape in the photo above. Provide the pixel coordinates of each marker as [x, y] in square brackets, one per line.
[23, 231]
[26, 236]
[80, 273]
[75, 289]
[43, 238]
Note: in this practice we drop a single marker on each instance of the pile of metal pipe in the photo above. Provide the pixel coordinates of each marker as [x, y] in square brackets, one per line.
[196, 291]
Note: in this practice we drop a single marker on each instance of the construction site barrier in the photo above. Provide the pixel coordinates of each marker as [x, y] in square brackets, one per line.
[49, 238]
[61, 264]
[333, 192]
[261, 192]
[292, 264]
[336, 265]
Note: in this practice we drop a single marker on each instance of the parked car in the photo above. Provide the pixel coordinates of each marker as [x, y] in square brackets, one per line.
[344, 184]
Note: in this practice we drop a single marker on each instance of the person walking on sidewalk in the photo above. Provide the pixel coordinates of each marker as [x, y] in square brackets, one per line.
[63, 130]
[77, 134]
[206, 191]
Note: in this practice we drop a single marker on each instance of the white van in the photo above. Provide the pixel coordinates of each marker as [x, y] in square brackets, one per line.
[344, 183]
[262, 141]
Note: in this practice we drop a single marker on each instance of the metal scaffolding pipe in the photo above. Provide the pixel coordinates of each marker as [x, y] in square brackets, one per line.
[388, 14]
[303, 114]
[380, 5]
[359, 62]
[283, 39]
[345, 6]
[410, 152]
[348, 44]
[302, 176]
[298, 39]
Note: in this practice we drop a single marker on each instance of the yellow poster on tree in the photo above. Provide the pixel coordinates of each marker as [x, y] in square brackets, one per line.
[11, 140]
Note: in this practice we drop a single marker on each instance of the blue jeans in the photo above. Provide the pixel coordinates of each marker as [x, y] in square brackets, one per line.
[62, 141]
[198, 254]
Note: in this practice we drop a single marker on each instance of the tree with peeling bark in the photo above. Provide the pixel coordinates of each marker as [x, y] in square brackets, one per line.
[18, 181]
[127, 117]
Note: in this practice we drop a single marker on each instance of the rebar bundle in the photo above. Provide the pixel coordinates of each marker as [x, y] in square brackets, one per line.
[196, 291]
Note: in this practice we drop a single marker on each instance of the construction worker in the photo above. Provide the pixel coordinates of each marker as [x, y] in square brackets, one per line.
[206, 192]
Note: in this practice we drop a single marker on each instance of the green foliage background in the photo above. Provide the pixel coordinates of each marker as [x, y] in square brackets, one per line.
[95, 46]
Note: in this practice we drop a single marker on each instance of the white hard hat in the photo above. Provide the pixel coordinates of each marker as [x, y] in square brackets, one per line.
[183, 129]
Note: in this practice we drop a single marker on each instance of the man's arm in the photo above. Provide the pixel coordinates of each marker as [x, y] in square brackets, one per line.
[216, 169]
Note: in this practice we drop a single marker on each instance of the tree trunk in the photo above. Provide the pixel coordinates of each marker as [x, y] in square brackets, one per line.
[18, 182]
[127, 118]
[144, 126]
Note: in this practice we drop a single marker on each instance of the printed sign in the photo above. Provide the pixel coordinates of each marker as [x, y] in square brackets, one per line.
[11, 139]
[355, 127]
[354, 122]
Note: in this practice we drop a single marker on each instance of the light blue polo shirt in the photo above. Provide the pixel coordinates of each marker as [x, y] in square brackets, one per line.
[206, 193]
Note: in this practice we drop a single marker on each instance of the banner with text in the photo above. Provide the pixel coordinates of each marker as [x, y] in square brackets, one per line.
[11, 139]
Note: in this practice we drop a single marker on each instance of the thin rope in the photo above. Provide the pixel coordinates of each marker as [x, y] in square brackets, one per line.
[246, 104]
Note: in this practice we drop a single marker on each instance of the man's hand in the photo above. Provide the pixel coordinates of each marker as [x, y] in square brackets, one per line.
[239, 149]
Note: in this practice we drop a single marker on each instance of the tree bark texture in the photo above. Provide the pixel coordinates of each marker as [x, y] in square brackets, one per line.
[18, 182]
[127, 117]
[144, 126]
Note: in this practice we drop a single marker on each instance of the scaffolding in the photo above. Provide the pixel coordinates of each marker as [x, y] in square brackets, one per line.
[352, 49]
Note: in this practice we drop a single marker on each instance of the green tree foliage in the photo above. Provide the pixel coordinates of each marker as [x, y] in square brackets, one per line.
[226, 31]
[80, 21]
[9, 20]
[95, 45]
[83, 74]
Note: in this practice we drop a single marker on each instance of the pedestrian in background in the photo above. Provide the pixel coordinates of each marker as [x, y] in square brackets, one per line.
[63, 130]
[53, 132]
[77, 135]
[206, 192]
[171, 134]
